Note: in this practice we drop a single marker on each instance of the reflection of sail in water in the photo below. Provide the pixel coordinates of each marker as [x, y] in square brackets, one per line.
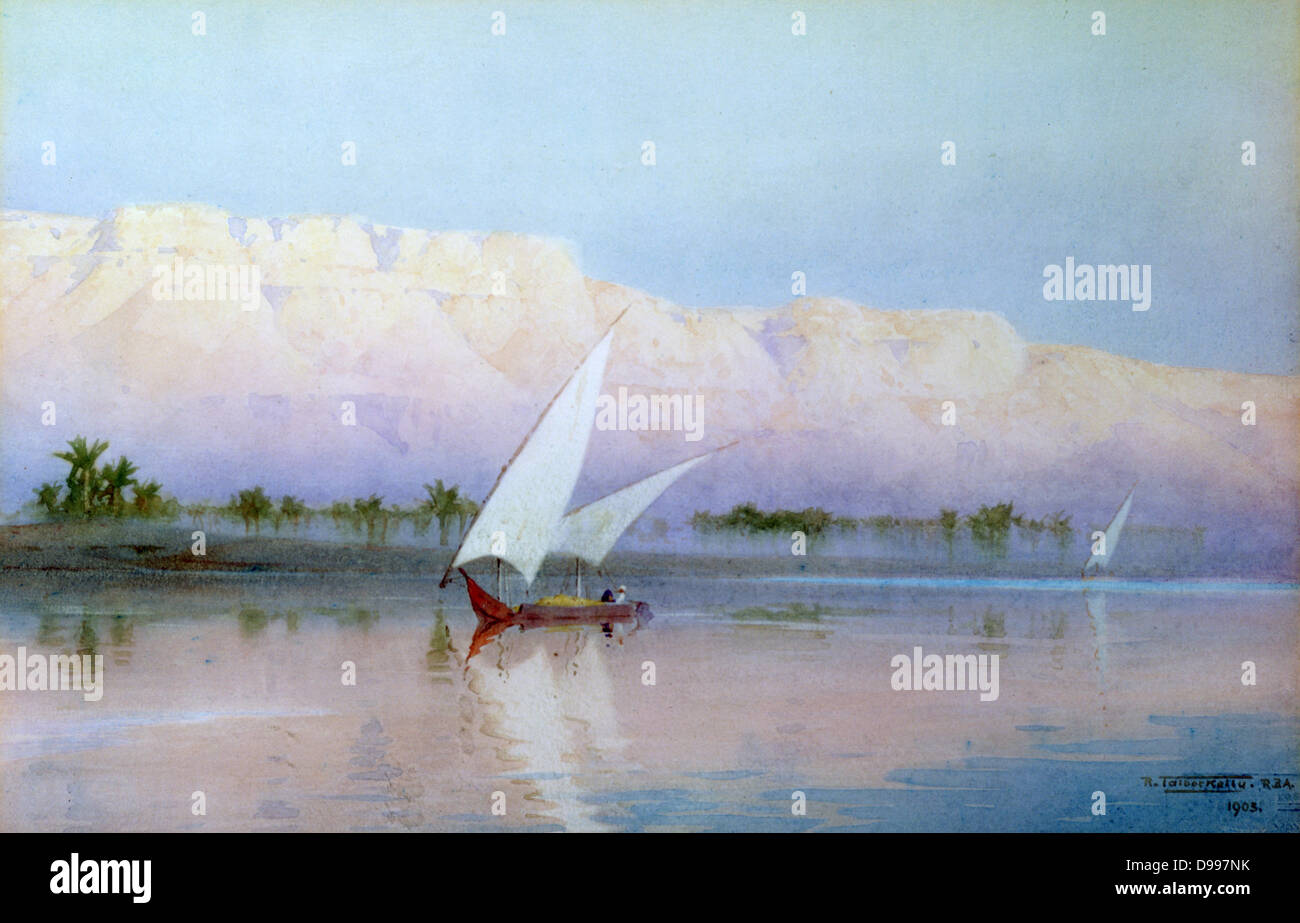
[1095, 600]
[547, 697]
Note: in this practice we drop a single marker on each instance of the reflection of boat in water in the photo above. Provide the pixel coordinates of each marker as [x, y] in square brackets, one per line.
[523, 517]
[548, 705]
[1103, 552]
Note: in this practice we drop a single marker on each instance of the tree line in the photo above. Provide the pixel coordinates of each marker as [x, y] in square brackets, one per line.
[990, 524]
[90, 491]
[95, 491]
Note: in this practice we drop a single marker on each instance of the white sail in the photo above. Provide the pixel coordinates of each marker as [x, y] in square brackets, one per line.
[590, 531]
[1112, 535]
[534, 488]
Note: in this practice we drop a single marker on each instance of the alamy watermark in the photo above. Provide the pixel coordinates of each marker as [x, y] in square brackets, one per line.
[637, 412]
[239, 283]
[1104, 282]
[75, 875]
[53, 673]
[946, 673]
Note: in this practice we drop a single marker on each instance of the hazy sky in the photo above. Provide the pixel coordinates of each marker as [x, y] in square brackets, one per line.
[775, 152]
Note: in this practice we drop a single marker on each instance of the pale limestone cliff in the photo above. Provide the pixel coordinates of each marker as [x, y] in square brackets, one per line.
[449, 344]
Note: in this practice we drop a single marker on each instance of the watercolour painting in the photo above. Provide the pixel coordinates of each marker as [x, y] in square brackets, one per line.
[742, 417]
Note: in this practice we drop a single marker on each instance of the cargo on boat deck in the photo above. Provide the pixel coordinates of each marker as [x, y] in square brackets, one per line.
[563, 599]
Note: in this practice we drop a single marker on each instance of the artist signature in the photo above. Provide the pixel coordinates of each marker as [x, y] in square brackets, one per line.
[1249, 788]
[1221, 783]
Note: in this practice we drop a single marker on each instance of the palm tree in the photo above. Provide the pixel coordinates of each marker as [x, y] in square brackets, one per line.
[991, 526]
[82, 479]
[396, 514]
[444, 503]
[948, 521]
[421, 518]
[369, 510]
[47, 495]
[292, 509]
[252, 505]
[116, 479]
[147, 497]
[339, 511]
[467, 509]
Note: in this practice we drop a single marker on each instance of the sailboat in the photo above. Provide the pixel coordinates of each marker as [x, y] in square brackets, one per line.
[1099, 561]
[523, 517]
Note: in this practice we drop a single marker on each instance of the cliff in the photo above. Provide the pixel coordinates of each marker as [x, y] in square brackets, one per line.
[449, 344]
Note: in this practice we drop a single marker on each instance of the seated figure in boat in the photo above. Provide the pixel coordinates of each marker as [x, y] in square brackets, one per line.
[609, 597]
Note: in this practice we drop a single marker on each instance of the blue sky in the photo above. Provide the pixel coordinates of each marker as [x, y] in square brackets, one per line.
[775, 152]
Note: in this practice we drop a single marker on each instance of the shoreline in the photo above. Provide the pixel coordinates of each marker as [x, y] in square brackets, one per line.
[117, 549]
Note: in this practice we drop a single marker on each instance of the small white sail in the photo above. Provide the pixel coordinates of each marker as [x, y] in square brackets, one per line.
[590, 531]
[1100, 561]
[534, 488]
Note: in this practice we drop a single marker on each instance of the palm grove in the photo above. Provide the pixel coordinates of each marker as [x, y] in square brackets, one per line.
[92, 490]
[97, 491]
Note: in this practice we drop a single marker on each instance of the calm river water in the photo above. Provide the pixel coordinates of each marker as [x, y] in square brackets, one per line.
[771, 709]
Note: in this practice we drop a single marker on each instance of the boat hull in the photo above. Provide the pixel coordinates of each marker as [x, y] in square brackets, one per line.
[604, 612]
[495, 617]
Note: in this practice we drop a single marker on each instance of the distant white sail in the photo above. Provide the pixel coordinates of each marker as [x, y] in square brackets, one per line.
[534, 488]
[590, 531]
[1112, 535]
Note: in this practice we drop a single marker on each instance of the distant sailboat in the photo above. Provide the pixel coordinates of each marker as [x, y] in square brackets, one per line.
[1099, 561]
[523, 517]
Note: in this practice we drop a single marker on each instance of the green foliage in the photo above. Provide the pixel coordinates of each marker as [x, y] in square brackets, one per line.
[83, 479]
[47, 496]
[465, 513]
[882, 524]
[1056, 525]
[992, 524]
[147, 498]
[443, 503]
[341, 512]
[748, 518]
[252, 506]
[795, 612]
[102, 491]
[371, 512]
[114, 480]
[293, 510]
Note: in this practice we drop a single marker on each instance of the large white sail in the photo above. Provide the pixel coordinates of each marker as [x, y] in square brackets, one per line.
[1112, 535]
[534, 488]
[590, 531]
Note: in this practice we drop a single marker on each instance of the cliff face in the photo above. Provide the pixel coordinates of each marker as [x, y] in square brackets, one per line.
[449, 344]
